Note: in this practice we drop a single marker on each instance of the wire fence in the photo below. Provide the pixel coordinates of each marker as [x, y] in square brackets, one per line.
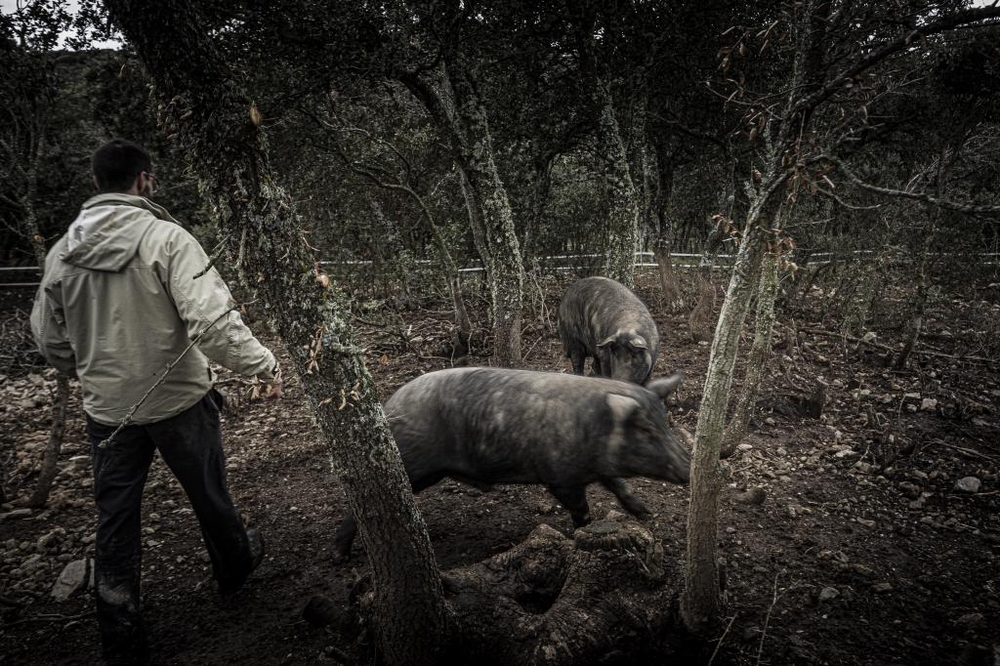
[552, 263]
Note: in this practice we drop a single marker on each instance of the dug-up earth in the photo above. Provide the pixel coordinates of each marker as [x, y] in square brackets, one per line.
[869, 534]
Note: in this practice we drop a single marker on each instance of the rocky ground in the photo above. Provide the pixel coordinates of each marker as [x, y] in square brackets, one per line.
[868, 535]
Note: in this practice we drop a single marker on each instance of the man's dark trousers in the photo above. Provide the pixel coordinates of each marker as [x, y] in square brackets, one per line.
[190, 443]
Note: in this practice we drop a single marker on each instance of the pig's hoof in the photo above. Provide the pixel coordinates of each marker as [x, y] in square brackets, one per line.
[638, 509]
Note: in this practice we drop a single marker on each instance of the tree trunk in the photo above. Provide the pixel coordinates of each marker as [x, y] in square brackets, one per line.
[454, 103]
[622, 234]
[672, 295]
[212, 115]
[700, 321]
[388, 264]
[916, 323]
[700, 601]
[760, 351]
[663, 239]
[57, 430]
[542, 183]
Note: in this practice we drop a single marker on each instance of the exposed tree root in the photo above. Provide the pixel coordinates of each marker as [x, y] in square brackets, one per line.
[601, 597]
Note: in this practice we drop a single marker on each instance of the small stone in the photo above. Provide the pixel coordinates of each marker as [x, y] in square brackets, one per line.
[928, 405]
[795, 510]
[968, 484]
[970, 620]
[828, 594]
[770, 421]
[882, 587]
[744, 447]
[843, 453]
[79, 462]
[72, 579]
[755, 495]
[16, 513]
[866, 523]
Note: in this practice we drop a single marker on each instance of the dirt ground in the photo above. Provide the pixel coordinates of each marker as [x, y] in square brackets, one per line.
[847, 538]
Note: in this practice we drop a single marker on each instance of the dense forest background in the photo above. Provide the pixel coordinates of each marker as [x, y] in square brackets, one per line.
[690, 92]
[354, 162]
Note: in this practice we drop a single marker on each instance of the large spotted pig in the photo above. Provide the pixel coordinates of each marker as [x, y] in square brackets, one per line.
[488, 426]
[604, 320]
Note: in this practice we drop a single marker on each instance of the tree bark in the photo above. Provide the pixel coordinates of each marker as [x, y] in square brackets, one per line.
[760, 351]
[47, 474]
[207, 108]
[663, 239]
[700, 607]
[701, 317]
[57, 431]
[622, 234]
[452, 100]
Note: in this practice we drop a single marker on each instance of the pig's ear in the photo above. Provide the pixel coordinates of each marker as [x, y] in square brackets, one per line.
[622, 407]
[637, 342]
[605, 342]
[665, 386]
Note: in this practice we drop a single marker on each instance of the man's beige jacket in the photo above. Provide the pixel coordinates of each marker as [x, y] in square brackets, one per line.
[119, 302]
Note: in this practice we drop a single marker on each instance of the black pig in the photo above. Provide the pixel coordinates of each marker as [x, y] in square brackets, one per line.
[604, 320]
[487, 426]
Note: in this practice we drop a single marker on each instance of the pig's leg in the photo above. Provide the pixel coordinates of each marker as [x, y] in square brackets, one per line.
[621, 490]
[574, 498]
[343, 538]
[577, 357]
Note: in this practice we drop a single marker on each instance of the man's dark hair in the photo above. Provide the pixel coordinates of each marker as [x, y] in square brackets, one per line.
[118, 163]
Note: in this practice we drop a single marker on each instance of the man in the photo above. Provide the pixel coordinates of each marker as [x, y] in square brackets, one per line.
[126, 291]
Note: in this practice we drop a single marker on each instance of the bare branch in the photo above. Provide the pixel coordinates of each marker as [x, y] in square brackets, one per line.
[957, 206]
[963, 19]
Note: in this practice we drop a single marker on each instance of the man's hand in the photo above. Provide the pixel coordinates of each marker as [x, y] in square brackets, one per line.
[273, 388]
[268, 387]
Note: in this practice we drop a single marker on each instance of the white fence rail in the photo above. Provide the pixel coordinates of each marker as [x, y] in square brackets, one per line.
[643, 260]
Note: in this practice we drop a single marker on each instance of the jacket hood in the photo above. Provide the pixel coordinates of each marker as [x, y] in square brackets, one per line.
[105, 235]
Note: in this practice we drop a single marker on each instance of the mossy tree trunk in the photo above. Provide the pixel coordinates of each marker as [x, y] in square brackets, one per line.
[23, 150]
[449, 93]
[622, 230]
[57, 430]
[210, 112]
[700, 602]
[663, 231]
[760, 352]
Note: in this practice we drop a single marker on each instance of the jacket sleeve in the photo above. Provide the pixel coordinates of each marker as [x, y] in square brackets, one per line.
[206, 306]
[48, 326]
